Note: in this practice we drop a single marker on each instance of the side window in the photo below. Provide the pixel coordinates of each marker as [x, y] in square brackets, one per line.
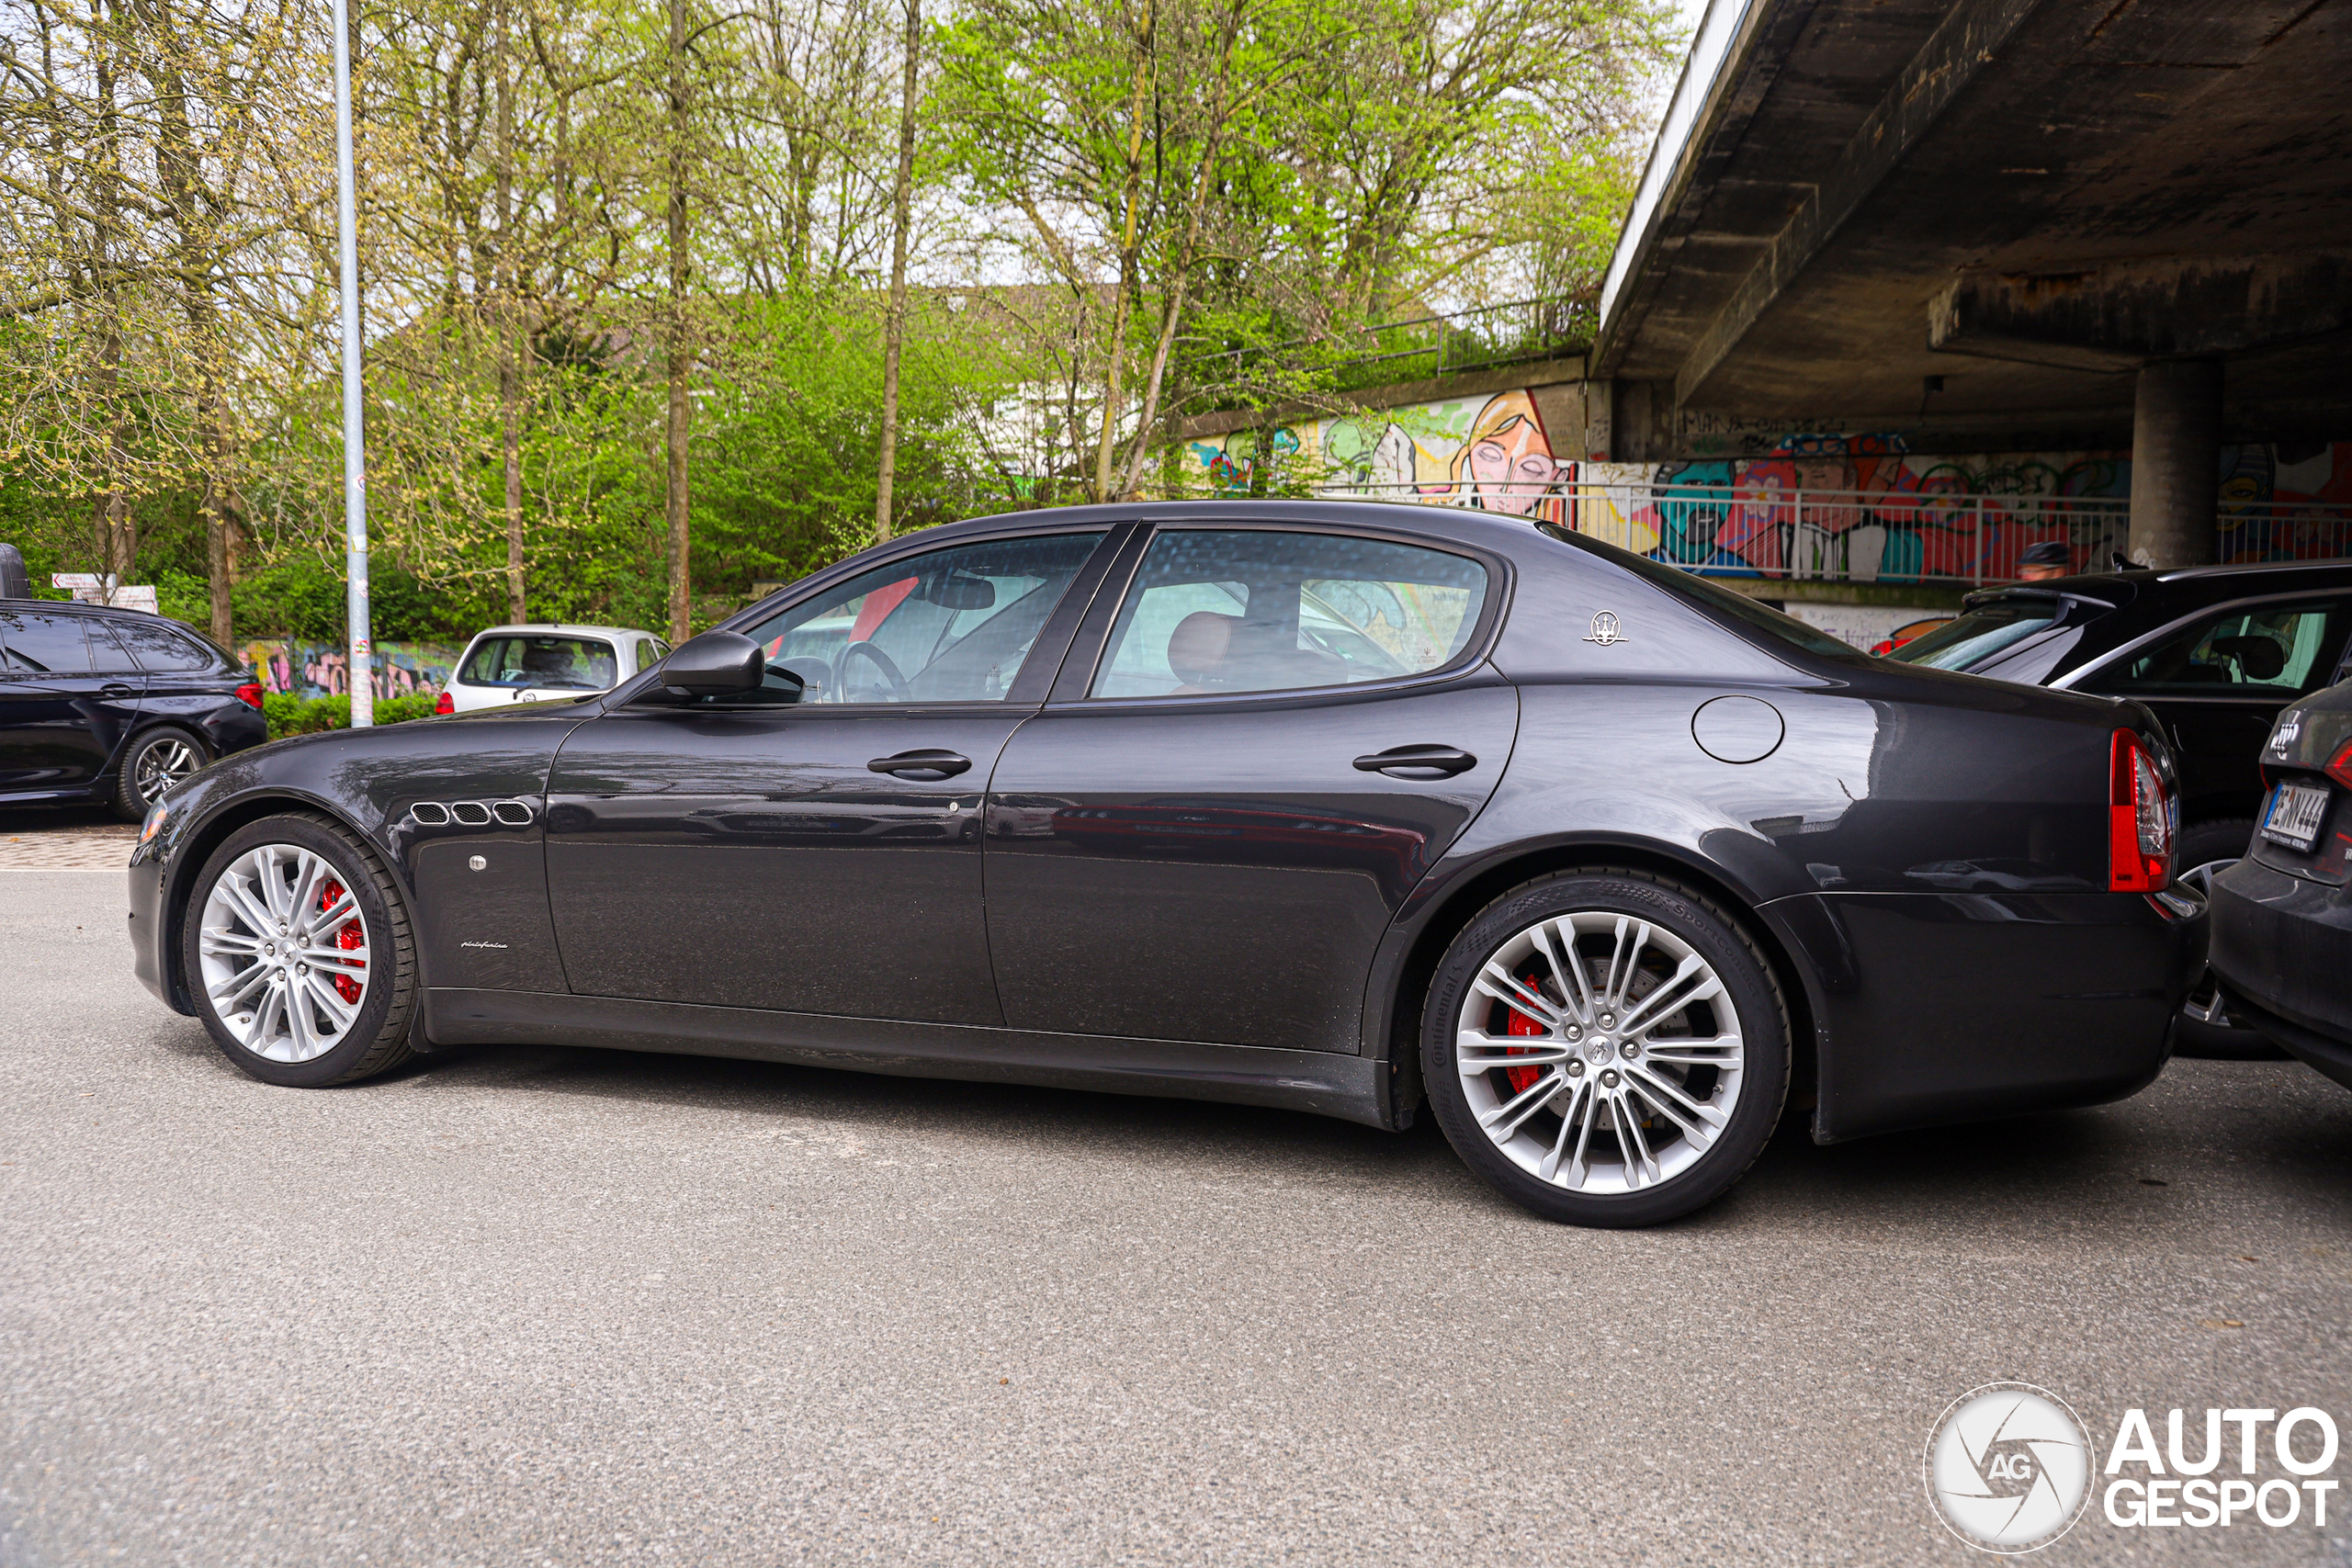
[1215, 609]
[152, 641]
[42, 645]
[955, 625]
[650, 652]
[2273, 650]
[107, 655]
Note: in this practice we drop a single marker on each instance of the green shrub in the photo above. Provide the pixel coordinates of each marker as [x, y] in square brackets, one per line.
[290, 715]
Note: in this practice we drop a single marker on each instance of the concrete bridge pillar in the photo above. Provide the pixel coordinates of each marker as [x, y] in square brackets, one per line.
[2176, 462]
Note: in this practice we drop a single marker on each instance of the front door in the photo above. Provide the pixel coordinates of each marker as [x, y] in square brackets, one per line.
[2218, 684]
[1207, 840]
[815, 847]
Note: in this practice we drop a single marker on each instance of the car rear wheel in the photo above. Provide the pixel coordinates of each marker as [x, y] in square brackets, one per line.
[2204, 1028]
[297, 949]
[156, 760]
[1606, 1048]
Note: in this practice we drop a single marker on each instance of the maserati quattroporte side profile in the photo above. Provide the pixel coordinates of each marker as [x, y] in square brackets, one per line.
[1348, 807]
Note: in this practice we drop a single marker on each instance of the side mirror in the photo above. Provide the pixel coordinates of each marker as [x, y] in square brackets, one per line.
[715, 664]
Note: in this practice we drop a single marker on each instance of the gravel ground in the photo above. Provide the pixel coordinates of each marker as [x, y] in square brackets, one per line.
[70, 838]
[575, 1307]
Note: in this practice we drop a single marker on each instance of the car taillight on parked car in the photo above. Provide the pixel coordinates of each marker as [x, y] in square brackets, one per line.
[2339, 767]
[249, 694]
[444, 703]
[2139, 816]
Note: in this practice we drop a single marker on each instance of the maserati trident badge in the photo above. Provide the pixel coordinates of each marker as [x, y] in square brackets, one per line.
[1604, 629]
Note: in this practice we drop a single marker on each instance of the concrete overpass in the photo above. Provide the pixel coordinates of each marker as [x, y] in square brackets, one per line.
[1997, 225]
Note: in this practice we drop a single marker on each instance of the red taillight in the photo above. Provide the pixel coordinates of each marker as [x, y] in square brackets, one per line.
[444, 703]
[2139, 819]
[2339, 767]
[250, 694]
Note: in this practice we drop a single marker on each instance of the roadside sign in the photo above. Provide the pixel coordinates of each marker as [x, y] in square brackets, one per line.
[89, 588]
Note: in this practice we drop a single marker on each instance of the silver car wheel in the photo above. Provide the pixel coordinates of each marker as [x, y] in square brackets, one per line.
[161, 765]
[1600, 1052]
[284, 952]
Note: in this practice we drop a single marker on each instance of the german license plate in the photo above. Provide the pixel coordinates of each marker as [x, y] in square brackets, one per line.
[2294, 816]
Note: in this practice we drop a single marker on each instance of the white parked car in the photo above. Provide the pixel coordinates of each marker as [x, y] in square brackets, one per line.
[522, 664]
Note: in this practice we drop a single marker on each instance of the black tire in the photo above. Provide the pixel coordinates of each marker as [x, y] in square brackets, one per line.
[149, 749]
[376, 1039]
[2203, 1028]
[1696, 924]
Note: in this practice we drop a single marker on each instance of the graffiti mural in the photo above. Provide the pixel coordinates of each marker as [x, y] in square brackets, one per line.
[323, 669]
[1491, 453]
[1860, 506]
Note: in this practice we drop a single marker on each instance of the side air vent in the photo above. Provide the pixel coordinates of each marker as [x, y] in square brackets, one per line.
[429, 814]
[471, 813]
[513, 813]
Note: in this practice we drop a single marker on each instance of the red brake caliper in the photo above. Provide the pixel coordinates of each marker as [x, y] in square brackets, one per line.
[350, 937]
[1522, 1078]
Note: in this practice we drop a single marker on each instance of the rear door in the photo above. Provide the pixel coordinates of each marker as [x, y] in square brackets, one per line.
[186, 679]
[1205, 835]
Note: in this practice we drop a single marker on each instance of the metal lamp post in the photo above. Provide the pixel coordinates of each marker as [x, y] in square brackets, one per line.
[354, 449]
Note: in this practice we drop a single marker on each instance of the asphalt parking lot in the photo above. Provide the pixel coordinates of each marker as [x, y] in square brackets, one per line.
[575, 1307]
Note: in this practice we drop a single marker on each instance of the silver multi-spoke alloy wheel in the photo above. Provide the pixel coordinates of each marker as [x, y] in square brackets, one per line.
[284, 950]
[1600, 1052]
[163, 764]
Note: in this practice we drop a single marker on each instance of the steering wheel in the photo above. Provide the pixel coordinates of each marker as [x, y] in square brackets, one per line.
[879, 659]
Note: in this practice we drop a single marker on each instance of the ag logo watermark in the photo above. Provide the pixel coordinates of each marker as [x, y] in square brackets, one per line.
[2008, 1467]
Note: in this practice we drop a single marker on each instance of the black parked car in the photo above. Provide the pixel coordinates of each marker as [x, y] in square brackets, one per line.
[2282, 917]
[1339, 806]
[113, 705]
[2215, 651]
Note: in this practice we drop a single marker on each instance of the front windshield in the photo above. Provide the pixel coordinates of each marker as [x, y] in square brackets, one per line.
[1982, 631]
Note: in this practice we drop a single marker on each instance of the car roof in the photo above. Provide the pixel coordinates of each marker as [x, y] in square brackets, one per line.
[561, 628]
[2184, 586]
[1463, 525]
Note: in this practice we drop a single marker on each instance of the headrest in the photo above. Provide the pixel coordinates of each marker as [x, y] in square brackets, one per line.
[2259, 657]
[1197, 648]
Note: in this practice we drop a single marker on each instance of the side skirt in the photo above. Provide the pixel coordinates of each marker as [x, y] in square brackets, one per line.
[1320, 1082]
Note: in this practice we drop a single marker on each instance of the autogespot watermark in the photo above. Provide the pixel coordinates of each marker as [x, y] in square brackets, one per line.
[2010, 1468]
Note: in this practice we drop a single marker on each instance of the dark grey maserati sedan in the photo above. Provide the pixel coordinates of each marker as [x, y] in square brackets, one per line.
[1346, 808]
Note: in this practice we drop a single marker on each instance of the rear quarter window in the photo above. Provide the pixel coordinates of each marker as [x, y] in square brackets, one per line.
[163, 649]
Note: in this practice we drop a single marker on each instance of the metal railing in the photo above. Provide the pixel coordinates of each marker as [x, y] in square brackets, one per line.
[1832, 535]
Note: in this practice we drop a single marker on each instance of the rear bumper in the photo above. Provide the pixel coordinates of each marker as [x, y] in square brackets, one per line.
[2282, 949]
[1940, 1007]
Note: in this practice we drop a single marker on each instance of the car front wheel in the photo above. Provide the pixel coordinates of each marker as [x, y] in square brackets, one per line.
[1606, 1048]
[296, 946]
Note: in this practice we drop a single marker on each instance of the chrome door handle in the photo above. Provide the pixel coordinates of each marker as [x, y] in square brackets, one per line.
[937, 764]
[1418, 762]
[117, 689]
